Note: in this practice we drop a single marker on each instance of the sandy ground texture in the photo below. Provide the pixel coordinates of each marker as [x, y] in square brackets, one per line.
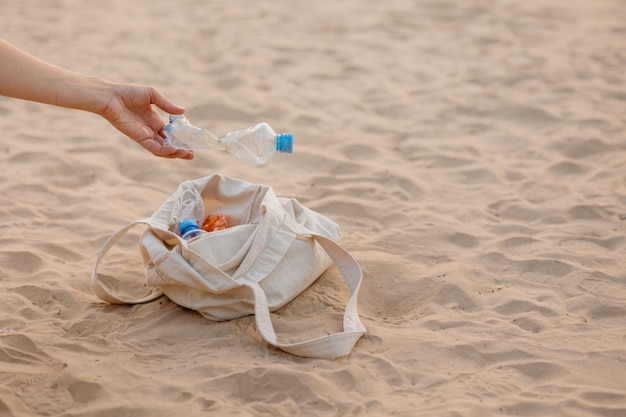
[471, 151]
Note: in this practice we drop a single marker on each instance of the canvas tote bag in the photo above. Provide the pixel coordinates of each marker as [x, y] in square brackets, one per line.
[273, 250]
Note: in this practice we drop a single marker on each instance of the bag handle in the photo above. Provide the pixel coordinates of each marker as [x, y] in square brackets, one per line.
[326, 347]
[329, 346]
[100, 289]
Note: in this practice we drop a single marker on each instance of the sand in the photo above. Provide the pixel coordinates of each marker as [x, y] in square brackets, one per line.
[472, 153]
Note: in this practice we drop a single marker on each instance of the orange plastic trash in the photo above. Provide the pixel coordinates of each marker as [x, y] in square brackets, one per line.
[215, 222]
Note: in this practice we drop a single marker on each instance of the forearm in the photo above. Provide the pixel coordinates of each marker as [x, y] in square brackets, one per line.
[131, 109]
[26, 77]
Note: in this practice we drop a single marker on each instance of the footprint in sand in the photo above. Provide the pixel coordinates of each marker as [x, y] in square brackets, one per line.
[23, 363]
[25, 370]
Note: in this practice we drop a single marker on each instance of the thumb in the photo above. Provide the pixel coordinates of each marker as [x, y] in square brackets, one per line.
[164, 104]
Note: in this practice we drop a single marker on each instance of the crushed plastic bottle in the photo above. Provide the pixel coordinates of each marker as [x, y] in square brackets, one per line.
[256, 145]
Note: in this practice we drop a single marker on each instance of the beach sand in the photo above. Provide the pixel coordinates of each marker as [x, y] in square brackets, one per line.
[472, 153]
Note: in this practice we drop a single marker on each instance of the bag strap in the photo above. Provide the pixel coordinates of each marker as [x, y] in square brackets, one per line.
[96, 284]
[329, 346]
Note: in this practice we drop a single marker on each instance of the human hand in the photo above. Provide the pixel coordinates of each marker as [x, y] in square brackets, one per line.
[130, 110]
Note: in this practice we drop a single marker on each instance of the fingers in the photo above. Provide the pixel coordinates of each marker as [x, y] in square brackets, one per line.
[169, 152]
[158, 149]
[134, 115]
[178, 153]
[164, 104]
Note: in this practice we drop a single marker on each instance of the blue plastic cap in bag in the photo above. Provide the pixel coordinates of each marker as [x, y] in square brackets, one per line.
[187, 225]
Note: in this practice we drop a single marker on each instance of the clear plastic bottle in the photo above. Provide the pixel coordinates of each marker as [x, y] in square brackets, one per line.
[192, 211]
[190, 229]
[255, 145]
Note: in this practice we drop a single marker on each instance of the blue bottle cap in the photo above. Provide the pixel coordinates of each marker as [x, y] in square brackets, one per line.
[284, 142]
[187, 225]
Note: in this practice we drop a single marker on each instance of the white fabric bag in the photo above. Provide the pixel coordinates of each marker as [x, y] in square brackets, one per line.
[273, 250]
